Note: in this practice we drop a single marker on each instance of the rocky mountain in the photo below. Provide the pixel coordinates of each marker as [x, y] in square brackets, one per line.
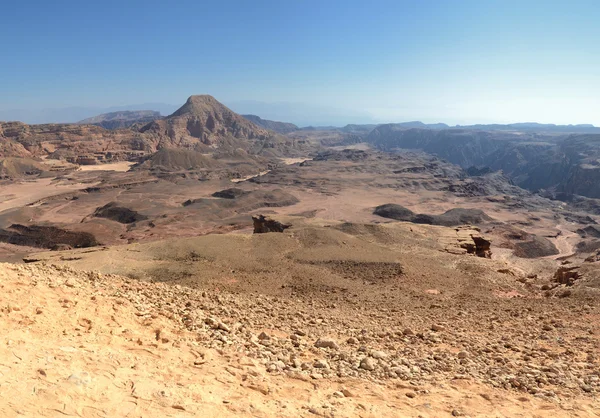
[122, 119]
[204, 124]
[279, 127]
[201, 124]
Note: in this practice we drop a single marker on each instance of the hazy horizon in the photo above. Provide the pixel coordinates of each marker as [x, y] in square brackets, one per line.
[297, 113]
[463, 62]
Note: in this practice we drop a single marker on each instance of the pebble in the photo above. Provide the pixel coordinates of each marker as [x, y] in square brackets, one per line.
[368, 363]
[348, 393]
[80, 379]
[379, 355]
[321, 364]
[327, 343]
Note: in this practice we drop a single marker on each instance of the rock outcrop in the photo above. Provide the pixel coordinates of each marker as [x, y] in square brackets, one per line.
[46, 237]
[264, 225]
[452, 217]
[118, 213]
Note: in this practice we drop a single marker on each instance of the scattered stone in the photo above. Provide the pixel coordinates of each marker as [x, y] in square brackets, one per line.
[327, 343]
[378, 355]
[368, 363]
[348, 393]
[321, 364]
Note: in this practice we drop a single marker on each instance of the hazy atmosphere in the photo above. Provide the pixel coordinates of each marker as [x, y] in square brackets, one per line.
[309, 62]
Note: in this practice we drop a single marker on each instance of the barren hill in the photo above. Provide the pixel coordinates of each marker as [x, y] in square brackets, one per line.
[203, 122]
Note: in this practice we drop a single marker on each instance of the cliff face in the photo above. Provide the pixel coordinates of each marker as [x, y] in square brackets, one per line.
[67, 141]
[463, 147]
[568, 165]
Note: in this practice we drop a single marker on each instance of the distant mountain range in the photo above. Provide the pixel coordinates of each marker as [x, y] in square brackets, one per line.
[280, 127]
[122, 119]
[511, 127]
[291, 115]
[76, 114]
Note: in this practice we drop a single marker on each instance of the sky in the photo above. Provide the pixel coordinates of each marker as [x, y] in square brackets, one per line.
[309, 62]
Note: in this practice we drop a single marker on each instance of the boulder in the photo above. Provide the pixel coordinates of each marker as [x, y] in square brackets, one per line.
[262, 225]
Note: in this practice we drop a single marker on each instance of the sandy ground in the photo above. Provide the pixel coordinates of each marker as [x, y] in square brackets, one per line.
[290, 161]
[120, 166]
[25, 192]
[78, 344]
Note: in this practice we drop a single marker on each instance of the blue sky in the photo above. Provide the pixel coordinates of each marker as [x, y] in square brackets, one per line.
[449, 61]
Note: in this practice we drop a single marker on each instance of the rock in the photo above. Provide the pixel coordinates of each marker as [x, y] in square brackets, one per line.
[80, 379]
[462, 354]
[408, 331]
[320, 364]
[223, 327]
[263, 336]
[411, 394]
[348, 393]
[327, 343]
[437, 328]
[338, 394]
[263, 225]
[378, 355]
[456, 413]
[118, 213]
[368, 363]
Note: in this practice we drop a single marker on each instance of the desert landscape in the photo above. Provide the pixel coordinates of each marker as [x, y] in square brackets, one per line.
[210, 264]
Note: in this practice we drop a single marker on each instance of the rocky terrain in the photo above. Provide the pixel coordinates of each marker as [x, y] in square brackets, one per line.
[561, 163]
[202, 125]
[203, 264]
[341, 328]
